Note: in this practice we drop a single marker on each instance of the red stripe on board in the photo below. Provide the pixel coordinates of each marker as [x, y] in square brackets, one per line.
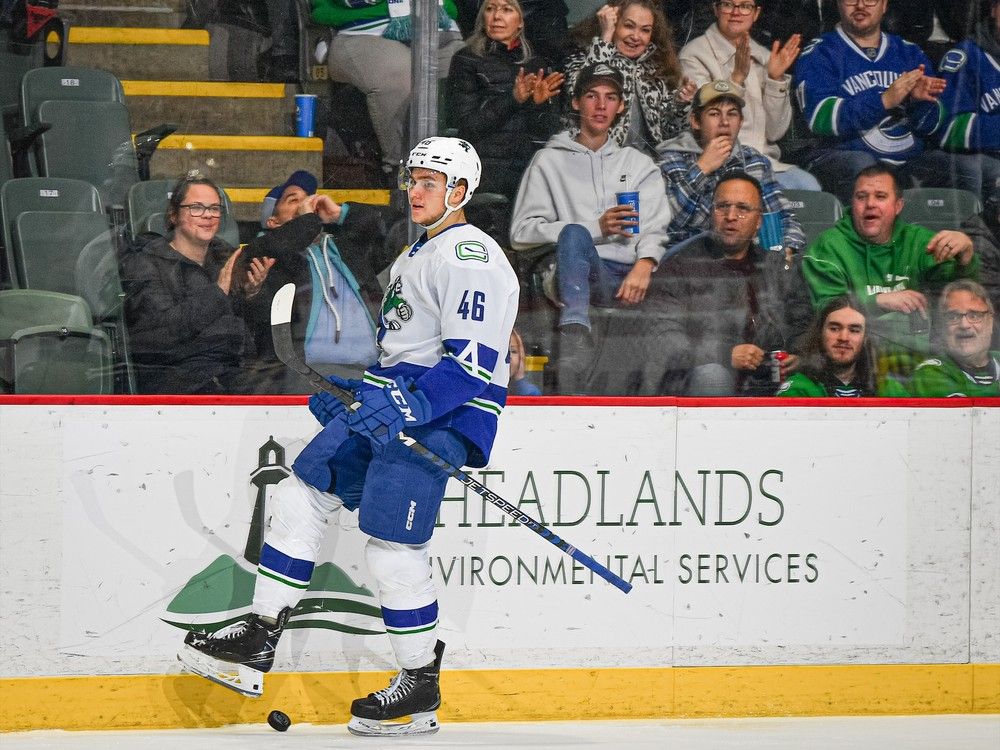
[631, 401]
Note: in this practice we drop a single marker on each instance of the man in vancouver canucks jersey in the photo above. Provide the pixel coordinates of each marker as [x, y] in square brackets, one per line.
[873, 97]
[972, 95]
[441, 375]
[967, 367]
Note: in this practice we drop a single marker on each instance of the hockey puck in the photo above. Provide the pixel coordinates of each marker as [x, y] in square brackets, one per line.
[279, 720]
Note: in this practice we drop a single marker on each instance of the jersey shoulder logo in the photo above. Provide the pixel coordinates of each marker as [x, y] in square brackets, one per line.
[469, 250]
[811, 46]
[952, 61]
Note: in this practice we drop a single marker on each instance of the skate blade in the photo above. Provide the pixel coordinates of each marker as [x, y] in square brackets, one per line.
[239, 677]
[424, 723]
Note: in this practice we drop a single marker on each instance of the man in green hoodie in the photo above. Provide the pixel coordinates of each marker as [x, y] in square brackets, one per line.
[891, 266]
[966, 366]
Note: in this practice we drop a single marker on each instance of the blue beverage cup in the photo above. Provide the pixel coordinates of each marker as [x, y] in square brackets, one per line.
[631, 199]
[772, 231]
[305, 115]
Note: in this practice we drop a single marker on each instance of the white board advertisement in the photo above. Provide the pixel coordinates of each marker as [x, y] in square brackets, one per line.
[751, 536]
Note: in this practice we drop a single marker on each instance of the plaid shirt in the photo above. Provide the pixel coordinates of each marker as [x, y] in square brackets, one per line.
[692, 192]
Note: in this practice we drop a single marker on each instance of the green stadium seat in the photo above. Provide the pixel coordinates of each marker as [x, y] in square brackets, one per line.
[74, 253]
[41, 194]
[48, 345]
[816, 211]
[939, 208]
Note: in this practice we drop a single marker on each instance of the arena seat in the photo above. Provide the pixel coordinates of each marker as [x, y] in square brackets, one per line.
[49, 345]
[71, 100]
[42, 194]
[939, 208]
[816, 211]
[74, 253]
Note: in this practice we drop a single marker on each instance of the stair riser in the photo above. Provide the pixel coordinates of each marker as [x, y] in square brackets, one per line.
[144, 62]
[213, 114]
[236, 168]
[158, 19]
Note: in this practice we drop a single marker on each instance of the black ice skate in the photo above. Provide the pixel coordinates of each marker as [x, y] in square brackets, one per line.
[412, 692]
[237, 655]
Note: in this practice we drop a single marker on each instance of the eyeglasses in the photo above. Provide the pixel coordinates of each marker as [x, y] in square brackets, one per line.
[865, 3]
[744, 9]
[742, 209]
[200, 209]
[952, 317]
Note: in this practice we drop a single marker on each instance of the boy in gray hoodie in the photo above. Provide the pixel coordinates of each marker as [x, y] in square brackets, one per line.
[605, 252]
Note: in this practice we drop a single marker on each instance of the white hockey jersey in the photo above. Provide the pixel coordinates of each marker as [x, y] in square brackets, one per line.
[445, 322]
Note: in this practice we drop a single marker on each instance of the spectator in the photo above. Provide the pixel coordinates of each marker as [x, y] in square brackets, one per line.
[634, 38]
[760, 77]
[984, 229]
[693, 163]
[567, 196]
[728, 302]
[370, 49]
[500, 97]
[972, 73]
[519, 384]
[872, 97]
[544, 21]
[185, 295]
[888, 264]
[967, 367]
[330, 320]
[837, 358]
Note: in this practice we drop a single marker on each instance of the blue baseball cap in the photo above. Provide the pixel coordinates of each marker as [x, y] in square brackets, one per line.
[300, 178]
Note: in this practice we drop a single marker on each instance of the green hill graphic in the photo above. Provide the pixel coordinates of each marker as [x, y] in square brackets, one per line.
[223, 592]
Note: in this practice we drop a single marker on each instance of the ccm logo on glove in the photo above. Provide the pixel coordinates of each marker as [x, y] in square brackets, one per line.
[404, 407]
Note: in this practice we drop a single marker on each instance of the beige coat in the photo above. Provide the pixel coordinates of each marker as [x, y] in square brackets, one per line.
[768, 110]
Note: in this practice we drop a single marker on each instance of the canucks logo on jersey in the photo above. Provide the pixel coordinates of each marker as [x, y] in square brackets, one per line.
[395, 310]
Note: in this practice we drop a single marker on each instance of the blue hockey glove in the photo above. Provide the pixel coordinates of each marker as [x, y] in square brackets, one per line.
[387, 411]
[325, 406]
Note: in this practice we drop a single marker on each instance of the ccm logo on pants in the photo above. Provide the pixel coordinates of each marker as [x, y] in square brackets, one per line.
[409, 515]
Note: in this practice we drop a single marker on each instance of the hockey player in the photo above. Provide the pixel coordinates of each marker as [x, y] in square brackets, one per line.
[441, 375]
[872, 97]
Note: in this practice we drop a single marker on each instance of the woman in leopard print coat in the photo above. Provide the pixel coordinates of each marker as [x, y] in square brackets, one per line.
[635, 38]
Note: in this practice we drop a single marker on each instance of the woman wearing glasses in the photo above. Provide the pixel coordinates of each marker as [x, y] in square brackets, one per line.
[726, 52]
[634, 38]
[185, 296]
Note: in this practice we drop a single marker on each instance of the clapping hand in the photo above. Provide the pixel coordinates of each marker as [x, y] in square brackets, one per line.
[741, 61]
[524, 85]
[782, 56]
[547, 86]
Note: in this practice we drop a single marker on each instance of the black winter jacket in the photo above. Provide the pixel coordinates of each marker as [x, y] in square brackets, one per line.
[482, 107]
[707, 304]
[183, 330]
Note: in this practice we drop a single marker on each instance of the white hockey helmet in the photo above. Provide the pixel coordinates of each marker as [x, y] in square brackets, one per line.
[455, 158]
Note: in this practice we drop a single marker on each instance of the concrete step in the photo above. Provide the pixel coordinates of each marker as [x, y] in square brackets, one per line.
[246, 201]
[212, 107]
[237, 160]
[151, 15]
[141, 54]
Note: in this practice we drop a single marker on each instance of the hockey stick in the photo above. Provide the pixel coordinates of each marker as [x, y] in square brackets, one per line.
[281, 333]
